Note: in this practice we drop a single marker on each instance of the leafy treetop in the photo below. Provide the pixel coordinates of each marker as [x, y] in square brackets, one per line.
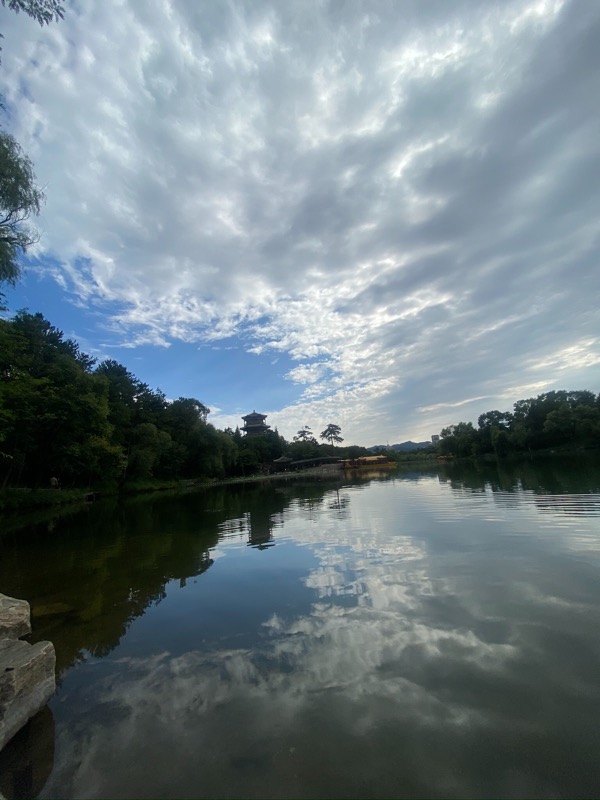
[304, 435]
[43, 11]
[332, 433]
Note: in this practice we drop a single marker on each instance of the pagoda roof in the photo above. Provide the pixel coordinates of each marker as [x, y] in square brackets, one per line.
[255, 415]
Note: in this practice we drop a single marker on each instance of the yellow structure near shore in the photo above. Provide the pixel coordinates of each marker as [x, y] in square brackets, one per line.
[368, 461]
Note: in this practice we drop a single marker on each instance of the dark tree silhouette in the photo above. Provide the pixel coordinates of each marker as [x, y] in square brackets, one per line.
[331, 434]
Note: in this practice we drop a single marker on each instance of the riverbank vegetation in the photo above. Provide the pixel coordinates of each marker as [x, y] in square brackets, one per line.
[88, 427]
[558, 420]
[68, 421]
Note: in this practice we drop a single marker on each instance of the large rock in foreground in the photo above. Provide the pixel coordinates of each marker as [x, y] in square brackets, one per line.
[27, 679]
[14, 617]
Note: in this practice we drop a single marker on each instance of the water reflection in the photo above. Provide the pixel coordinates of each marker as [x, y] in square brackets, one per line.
[101, 568]
[566, 475]
[405, 638]
[28, 759]
[105, 567]
[570, 489]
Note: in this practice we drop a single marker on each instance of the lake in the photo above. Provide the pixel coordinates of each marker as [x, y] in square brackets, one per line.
[415, 634]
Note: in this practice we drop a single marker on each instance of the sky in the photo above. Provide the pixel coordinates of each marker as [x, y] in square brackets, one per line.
[384, 215]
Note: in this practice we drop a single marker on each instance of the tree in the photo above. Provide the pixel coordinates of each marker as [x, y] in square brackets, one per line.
[458, 440]
[42, 11]
[304, 435]
[45, 341]
[122, 391]
[495, 419]
[332, 433]
[490, 424]
[19, 198]
[184, 414]
[53, 410]
[149, 445]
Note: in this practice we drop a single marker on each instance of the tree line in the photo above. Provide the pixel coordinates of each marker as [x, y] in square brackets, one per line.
[63, 415]
[551, 420]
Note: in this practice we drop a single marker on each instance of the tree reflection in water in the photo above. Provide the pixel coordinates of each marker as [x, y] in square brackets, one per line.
[399, 623]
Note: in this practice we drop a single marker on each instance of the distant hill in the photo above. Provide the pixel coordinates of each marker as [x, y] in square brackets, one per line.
[403, 447]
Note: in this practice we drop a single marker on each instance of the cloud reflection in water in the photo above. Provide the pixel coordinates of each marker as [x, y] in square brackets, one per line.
[435, 659]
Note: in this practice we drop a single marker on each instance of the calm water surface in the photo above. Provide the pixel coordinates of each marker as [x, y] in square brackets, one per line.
[416, 635]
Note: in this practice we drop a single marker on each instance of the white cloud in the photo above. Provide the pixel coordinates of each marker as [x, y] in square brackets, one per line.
[403, 201]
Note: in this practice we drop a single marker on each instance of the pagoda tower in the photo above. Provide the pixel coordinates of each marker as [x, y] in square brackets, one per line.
[254, 424]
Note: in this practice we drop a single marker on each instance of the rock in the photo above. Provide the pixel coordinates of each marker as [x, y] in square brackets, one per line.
[14, 617]
[27, 679]
[26, 683]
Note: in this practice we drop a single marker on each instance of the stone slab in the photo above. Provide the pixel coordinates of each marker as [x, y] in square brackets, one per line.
[14, 617]
[27, 682]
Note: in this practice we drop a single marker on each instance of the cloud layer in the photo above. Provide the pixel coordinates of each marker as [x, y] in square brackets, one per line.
[401, 197]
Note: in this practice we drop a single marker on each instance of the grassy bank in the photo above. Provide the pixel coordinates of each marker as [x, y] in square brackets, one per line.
[14, 500]
[17, 500]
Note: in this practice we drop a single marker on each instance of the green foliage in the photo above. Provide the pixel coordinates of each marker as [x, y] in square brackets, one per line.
[12, 500]
[19, 199]
[305, 435]
[332, 434]
[258, 452]
[42, 11]
[58, 418]
[562, 419]
[53, 411]
[102, 427]
[300, 450]
[458, 440]
[148, 445]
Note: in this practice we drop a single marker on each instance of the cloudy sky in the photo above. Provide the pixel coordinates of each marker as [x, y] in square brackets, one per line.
[385, 215]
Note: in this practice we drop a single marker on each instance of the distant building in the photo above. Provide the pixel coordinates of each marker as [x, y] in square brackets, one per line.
[254, 424]
[435, 438]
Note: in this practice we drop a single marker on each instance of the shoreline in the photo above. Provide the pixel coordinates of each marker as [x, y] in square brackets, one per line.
[22, 501]
[14, 501]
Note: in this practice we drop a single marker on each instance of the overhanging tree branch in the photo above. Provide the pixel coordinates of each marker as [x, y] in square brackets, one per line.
[19, 199]
[43, 11]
